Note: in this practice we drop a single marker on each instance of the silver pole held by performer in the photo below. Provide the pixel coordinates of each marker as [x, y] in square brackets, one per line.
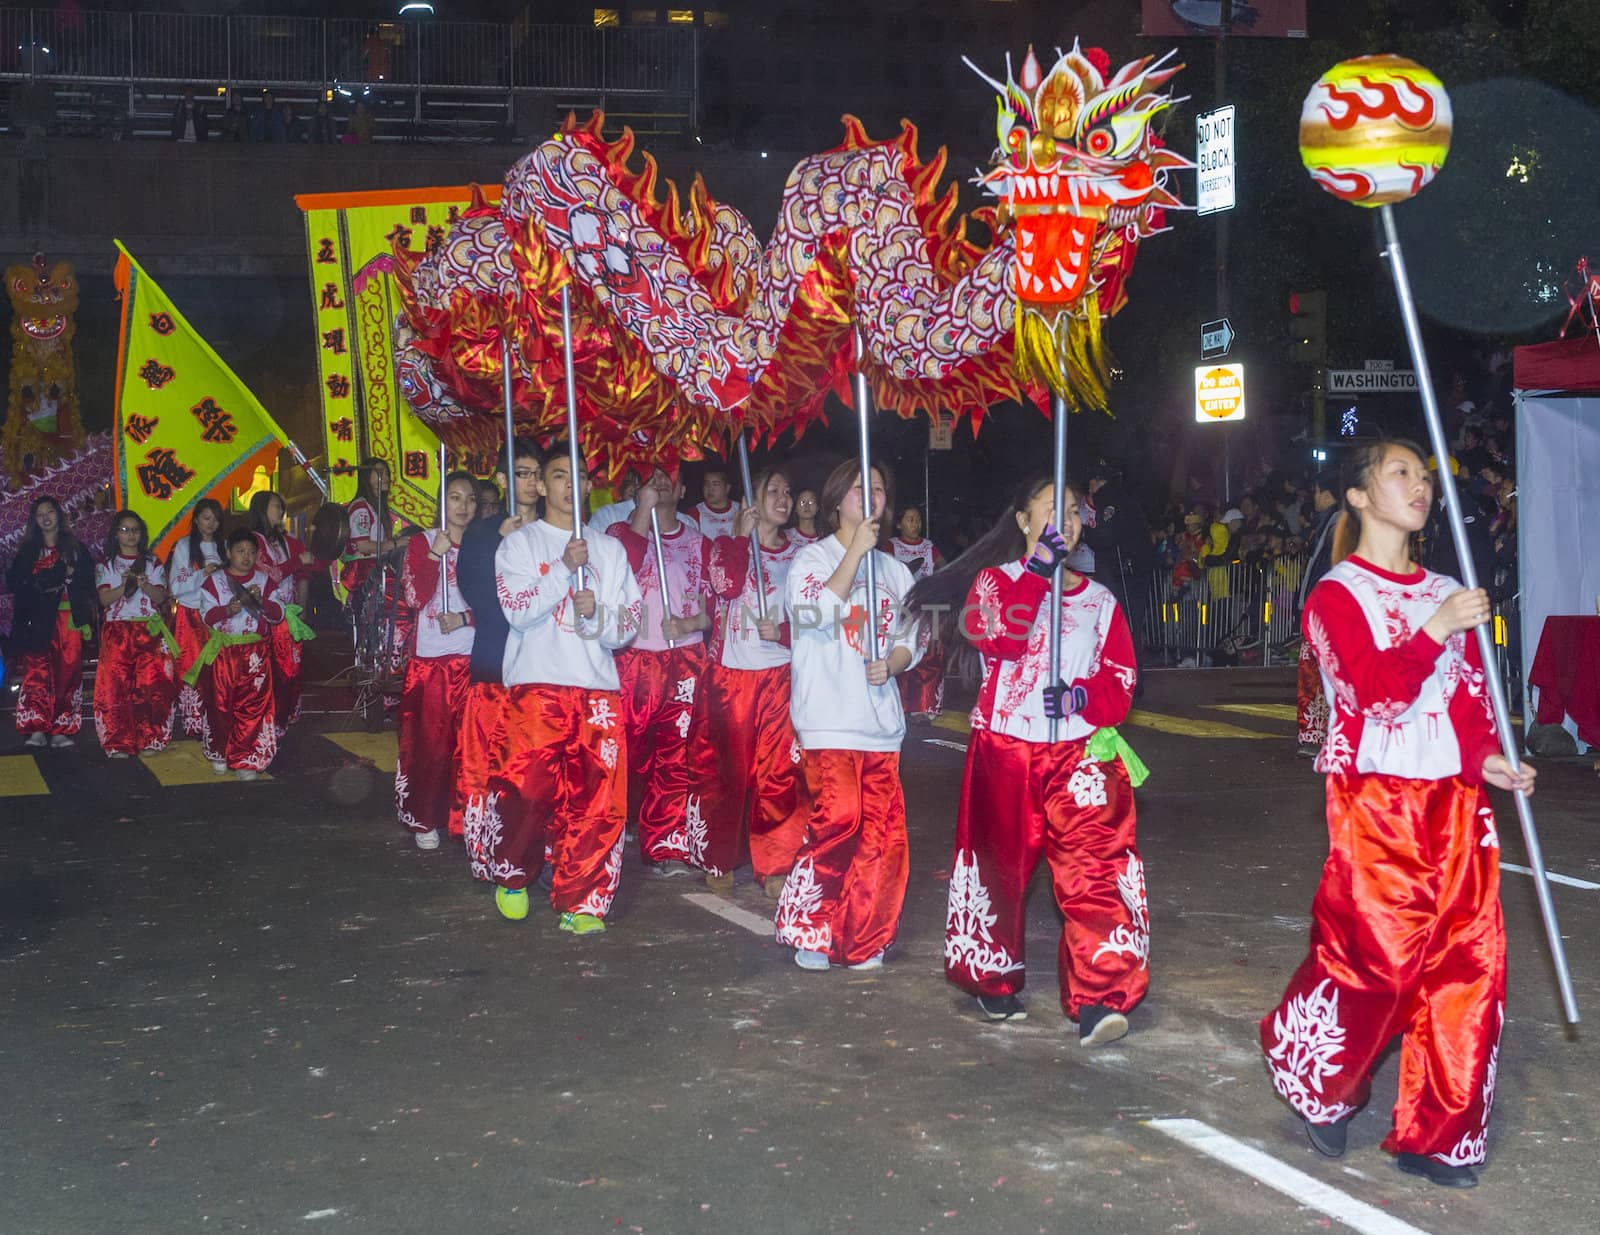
[505, 398]
[661, 570]
[750, 500]
[574, 458]
[1469, 576]
[864, 417]
[444, 523]
[1058, 424]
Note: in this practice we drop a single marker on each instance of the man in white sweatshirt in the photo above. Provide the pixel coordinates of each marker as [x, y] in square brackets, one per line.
[570, 604]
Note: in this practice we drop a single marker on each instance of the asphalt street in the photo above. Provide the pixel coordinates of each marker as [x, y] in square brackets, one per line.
[258, 1007]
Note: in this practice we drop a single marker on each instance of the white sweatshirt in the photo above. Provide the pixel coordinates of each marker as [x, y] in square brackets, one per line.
[831, 703]
[186, 579]
[548, 644]
[135, 608]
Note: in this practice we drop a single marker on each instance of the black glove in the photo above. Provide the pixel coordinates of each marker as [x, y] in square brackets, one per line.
[130, 585]
[1048, 554]
[1062, 701]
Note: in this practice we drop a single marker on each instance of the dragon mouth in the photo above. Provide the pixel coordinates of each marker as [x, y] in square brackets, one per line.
[1059, 215]
[43, 328]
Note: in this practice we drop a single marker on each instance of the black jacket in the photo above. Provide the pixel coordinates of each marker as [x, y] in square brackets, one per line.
[1321, 553]
[476, 582]
[38, 594]
[1120, 537]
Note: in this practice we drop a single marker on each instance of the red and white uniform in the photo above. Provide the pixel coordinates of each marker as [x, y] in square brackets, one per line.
[280, 560]
[50, 679]
[435, 690]
[744, 783]
[715, 523]
[1406, 932]
[1024, 796]
[917, 556]
[922, 688]
[848, 883]
[190, 627]
[238, 724]
[568, 751]
[135, 684]
[659, 684]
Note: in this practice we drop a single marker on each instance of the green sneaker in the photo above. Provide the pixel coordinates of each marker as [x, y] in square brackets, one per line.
[582, 924]
[512, 903]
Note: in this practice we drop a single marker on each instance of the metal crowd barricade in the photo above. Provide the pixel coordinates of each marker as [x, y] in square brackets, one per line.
[1248, 615]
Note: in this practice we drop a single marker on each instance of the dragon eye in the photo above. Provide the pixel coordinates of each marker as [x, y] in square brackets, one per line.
[1044, 149]
[1100, 142]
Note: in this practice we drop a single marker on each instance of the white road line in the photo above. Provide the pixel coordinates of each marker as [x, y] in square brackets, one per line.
[961, 746]
[752, 922]
[1299, 1187]
[1552, 876]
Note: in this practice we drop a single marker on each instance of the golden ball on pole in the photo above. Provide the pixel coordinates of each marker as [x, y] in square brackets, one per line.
[1375, 130]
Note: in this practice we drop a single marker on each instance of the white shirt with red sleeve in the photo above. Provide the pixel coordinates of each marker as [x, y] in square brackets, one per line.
[363, 523]
[1399, 704]
[281, 563]
[921, 558]
[688, 586]
[715, 523]
[419, 587]
[737, 641]
[217, 594]
[135, 608]
[187, 579]
[1007, 618]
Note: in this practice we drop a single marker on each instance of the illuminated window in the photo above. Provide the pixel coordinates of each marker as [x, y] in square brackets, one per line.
[680, 17]
[713, 18]
[607, 17]
[642, 17]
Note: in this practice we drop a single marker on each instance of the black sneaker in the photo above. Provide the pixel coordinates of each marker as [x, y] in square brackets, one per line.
[1098, 1024]
[1436, 1172]
[1002, 1008]
[547, 877]
[1330, 1140]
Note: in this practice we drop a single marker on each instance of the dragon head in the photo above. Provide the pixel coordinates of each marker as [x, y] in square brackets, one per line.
[43, 297]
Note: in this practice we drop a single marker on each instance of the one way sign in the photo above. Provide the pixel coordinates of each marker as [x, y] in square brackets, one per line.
[1215, 339]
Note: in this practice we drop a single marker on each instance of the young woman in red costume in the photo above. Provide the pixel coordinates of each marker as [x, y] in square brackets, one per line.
[1406, 933]
[288, 565]
[52, 583]
[238, 733]
[745, 788]
[922, 689]
[841, 903]
[436, 674]
[1026, 793]
[805, 528]
[193, 560]
[135, 683]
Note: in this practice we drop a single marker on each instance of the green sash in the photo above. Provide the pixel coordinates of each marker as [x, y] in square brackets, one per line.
[219, 639]
[1107, 744]
[298, 630]
[155, 626]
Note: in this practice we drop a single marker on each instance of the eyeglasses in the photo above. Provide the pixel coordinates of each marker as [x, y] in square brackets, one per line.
[127, 531]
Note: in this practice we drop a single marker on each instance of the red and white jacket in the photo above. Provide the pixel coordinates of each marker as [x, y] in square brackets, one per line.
[187, 579]
[217, 595]
[685, 552]
[1007, 618]
[1399, 704]
[282, 564]
[736, 640]
[363, 523]
[921, 559]
[135, 608]
[419, 589]
[715, 523]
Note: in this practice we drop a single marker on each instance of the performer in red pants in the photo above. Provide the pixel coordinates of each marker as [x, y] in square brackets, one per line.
[567, 756]
[1406, 933]
[288, 565]
[660, 673]
[193, 560]
[135, 683]
[436, 674]
[745, 790]
[238, 732]
[1025, 796]
[51, 580]
[841, 903]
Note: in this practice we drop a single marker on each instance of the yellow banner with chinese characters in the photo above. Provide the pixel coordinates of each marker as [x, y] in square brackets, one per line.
[186, 427]
[350, 240]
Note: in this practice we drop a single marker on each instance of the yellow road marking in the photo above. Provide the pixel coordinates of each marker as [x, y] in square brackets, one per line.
[183, 763]
[1188, 727]
[956, 722]
[19, 777]
[1272, 711]
[382, 748]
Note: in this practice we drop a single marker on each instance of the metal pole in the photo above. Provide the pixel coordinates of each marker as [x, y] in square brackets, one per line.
[661, 570]
[1058, 417]
[864, 417]
[1469, 576]
[505, 398]
[751, 501]
[573, 457]
[300, 458]
[444, 524]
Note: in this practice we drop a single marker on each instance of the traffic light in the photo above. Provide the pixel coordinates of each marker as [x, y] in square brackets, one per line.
[1308, 328]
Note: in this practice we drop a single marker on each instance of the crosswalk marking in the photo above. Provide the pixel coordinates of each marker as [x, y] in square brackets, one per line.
[382, 748]
[1271, 711]
[20, 778]
[183, 763]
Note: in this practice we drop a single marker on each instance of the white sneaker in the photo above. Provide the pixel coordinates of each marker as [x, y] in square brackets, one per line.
[428, 839]
[117, 754]
[219, 766]
[807, 959]
[247, 774]
[38, 739]
[875, 961]
[61, 741]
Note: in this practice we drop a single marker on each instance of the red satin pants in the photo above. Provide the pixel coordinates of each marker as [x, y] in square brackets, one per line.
[567, 760]
[844, 894]
[286, 659]
[658, 693]
[745, 789]
[50, 695]
[1311, 705]
[1023, 800]
[1406, 938]
[237, 725]
[430, 721]
[192, 633]
[483, 801]
[135, 690]
[922, 686]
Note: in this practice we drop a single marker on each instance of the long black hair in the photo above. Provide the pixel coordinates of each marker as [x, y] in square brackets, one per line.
[364, 489]
[259, 522]
[1356, 471]
[197, 557]
[114, 546]
[945, 590]
[33, 538]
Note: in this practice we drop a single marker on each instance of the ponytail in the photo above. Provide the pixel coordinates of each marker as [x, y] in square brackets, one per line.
[1346, 535]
